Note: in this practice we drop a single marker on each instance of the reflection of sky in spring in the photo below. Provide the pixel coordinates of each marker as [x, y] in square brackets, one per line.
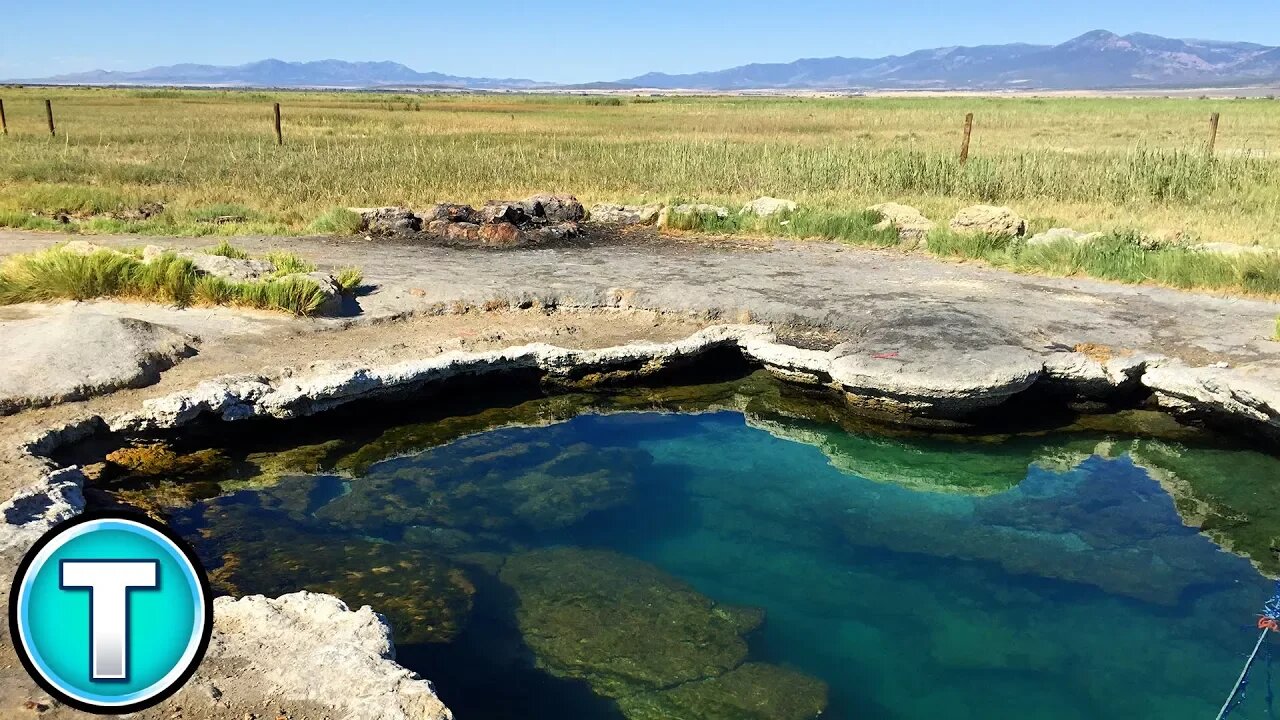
[1076, 594]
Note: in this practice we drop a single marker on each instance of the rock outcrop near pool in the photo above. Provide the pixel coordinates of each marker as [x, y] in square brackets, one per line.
[311, 648]
[78, 355]
[499, 223]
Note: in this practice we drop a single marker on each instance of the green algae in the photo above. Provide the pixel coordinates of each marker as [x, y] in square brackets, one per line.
[638, 635]
[426, 597]
[543, 485]
[753, 691]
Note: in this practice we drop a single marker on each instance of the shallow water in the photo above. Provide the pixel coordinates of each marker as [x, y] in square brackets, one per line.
[1047, 578]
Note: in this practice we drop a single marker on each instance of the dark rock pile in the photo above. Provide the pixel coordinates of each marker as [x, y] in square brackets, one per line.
[499, 223]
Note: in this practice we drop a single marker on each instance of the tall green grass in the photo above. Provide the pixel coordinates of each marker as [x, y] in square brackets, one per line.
[1121, 257]
[57, 274]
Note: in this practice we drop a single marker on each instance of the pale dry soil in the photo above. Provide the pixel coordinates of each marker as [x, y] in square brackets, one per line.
[425, 300]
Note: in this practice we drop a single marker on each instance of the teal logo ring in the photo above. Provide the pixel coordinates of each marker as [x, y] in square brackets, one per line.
[110, 612]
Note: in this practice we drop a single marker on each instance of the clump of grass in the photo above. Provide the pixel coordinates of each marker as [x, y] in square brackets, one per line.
[227, 250]
[288, 263]
[212, 290]
[166, 278]
[58, 274]
[299, 296]
[224, 212]
[337, 221]
[350, 279]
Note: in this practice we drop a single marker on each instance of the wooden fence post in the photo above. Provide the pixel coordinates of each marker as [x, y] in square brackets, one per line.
[1213, 132]
[279, 136]
[4, 125]
[968, 132]
[48, 111]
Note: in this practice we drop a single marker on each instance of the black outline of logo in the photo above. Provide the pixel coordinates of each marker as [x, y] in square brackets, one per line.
[206, 633]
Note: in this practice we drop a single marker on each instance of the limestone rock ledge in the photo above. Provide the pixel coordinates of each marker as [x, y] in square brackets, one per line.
[310, 647]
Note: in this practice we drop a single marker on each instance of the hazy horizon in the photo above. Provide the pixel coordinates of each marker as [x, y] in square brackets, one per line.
[569, 41]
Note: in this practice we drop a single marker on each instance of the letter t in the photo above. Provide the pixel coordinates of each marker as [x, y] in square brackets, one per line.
[109, 583]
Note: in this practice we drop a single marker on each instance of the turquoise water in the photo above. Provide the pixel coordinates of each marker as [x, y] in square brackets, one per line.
[1077, 593]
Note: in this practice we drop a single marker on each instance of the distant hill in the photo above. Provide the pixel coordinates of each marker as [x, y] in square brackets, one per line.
[1095, 60]
[278, 73]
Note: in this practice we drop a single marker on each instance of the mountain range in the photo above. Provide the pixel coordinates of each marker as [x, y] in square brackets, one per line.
[1095, 60]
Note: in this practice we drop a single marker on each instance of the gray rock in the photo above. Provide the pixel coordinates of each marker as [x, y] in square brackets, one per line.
[233, 269]
[910, 223]
[451, 213]
[495, 212]
[766, 206]
[80, 354]
[989, 220]
[1223, 248]
[1049, 237]
[554, 208]
[389, 221]
[608, 213]
[84, 247]
[308, 646]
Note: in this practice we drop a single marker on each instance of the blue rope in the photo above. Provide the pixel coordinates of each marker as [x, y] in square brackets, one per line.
[1270, 610]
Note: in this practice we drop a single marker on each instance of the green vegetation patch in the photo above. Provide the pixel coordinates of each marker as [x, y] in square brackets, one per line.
[61, 274]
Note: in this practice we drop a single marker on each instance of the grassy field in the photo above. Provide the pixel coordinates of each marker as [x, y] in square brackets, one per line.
[1092, 164]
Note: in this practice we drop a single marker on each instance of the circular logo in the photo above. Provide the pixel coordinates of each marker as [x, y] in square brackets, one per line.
[110, 612]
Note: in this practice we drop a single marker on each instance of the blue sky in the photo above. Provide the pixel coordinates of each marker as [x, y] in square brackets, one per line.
[573, 40]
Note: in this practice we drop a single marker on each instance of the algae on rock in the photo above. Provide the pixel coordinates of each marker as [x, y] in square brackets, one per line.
[638, 635]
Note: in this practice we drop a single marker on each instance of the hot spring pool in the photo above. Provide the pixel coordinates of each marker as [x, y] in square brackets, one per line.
[740, 563]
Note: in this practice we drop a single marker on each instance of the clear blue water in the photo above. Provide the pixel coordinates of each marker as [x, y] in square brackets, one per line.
[1077, 593]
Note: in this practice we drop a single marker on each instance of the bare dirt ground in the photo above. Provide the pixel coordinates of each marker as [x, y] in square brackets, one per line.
[426, 299]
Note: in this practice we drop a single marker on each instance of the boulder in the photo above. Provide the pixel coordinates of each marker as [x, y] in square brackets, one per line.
[554, 208]
[233, 269]
[989, 220]
[500, 233]
[1048, 237]
[77, 355]
[389, 220]
[504, 212]
[607, 213]
[462, 232]
[450, 213]
[766, 206]
[910, 223]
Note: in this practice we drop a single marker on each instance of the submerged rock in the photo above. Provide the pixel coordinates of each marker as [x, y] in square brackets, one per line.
[478, 485]
[426, 597]
[754, 691]
[621, 624]
[638, 635]
[989, 220]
